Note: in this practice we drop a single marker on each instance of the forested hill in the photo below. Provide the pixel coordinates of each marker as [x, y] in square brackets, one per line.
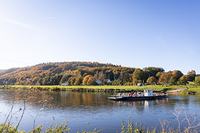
[2, 72]
[76, 73]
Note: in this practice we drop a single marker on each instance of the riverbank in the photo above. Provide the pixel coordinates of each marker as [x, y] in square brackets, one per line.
[177, 90]
[93, 88]
[191, 90]
[183, 89]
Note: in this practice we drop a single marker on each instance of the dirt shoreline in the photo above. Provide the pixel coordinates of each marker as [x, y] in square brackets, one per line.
[176, 90]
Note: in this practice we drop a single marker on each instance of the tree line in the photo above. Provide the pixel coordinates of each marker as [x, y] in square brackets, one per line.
[87, 73]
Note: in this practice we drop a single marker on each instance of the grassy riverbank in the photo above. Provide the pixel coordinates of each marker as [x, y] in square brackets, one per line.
[93, 88]
[191, 90]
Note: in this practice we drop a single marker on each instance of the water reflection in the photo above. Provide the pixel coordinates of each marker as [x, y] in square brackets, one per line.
[95, 108]
[78, 99]
[63, 99]
[95, 100]
[143, 104]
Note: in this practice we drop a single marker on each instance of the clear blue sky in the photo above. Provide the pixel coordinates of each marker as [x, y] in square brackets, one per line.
[132, 33]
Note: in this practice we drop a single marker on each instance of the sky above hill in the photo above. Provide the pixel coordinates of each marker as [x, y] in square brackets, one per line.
[132, 33]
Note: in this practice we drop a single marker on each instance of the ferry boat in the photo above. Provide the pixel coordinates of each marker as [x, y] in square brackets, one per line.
[147, 95]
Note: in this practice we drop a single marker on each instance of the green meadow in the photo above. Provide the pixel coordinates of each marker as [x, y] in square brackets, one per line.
[97, 88]
[190, 89]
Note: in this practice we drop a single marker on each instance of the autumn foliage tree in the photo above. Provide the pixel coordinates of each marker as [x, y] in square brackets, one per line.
[158, 75]
[76, 73]
[165, 77]
[138, 76]
[64, 78]
[177, 74]
[152, 71]
[182, 80]
[191, 75]
[91, 81]
[151, 80]
[85, 79]
[100, 76]
[78, 81]
[197, 80]
[172, 81]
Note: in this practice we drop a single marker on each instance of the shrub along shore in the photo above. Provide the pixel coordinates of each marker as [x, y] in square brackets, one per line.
[106, 88]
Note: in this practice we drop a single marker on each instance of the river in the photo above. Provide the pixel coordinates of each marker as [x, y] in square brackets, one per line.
[81, 108]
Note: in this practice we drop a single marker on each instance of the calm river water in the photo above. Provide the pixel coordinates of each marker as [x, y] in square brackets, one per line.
[78, 108]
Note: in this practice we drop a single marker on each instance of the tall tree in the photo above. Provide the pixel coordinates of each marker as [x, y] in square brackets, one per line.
[126, 77]
[152, 71]
[138, 76]
[85, 79]
[197, 80]
[91, 81]
[182, 80]
[78, 81]
[158, 75]
[191, 75]
[64, 78]
[172, 81]
[101, 77]
[121, 76]
[151, 80]
[71, 82]
[177, 74]
[109, 74]
[165, 77]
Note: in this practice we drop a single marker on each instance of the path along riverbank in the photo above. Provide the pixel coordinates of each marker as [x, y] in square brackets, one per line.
[177, 90]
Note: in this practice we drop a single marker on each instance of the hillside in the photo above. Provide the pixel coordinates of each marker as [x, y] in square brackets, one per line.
[80, 73]
[2, 72]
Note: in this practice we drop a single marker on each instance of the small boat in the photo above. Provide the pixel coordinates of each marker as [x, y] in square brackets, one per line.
[148, 95]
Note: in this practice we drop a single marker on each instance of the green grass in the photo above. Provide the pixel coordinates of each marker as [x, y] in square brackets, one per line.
[191, 90]
[97, 87]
